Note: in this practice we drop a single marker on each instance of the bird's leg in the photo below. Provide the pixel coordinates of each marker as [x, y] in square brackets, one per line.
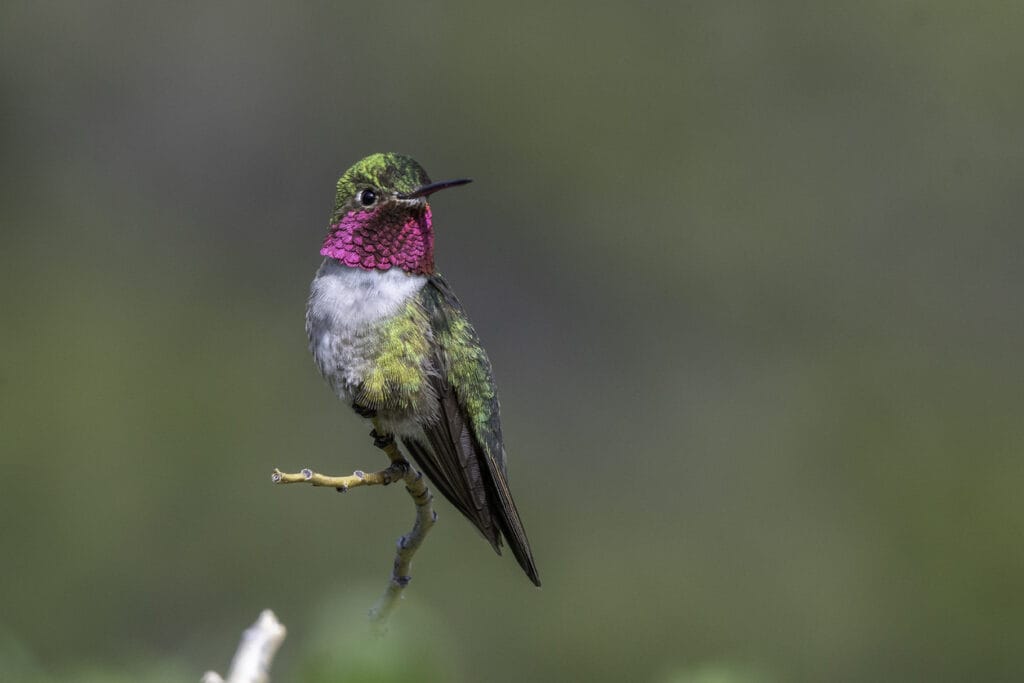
[364, 411]
[418, 491]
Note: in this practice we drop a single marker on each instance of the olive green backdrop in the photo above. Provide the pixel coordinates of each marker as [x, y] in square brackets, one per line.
[749, 273]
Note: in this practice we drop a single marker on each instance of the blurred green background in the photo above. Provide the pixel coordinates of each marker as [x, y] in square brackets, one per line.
[749, 274]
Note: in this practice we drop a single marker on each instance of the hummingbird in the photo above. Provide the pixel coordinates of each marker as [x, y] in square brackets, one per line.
[389, 336]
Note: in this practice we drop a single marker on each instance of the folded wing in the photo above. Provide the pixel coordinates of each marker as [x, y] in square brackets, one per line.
[462, 453]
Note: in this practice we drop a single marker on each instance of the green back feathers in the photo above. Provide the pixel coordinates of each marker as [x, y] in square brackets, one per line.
[468, 369]
[464, 366]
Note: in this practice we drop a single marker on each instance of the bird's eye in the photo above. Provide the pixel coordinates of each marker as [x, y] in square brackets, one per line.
[367, 197]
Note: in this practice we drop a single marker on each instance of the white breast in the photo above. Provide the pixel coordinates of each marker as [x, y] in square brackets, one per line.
[345, 305]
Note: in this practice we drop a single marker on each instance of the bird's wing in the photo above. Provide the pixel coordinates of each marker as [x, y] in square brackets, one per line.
[463, 455]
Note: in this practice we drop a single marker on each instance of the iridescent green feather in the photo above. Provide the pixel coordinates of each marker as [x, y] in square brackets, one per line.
[468, 370]
[431, 335]
[397, 379]
[465, 367]
[382, 170]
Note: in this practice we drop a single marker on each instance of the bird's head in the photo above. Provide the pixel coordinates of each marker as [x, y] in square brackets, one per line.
[381, 218]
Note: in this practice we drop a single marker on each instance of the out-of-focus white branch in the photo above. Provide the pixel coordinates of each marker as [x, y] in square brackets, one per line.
[255, 653]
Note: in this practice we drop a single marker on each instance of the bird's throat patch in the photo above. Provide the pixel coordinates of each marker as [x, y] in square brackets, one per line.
[381, 239]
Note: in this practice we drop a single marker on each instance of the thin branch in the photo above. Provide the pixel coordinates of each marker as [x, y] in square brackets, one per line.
[407, 544]
[407, 547]
[255, 653]
[357, 478]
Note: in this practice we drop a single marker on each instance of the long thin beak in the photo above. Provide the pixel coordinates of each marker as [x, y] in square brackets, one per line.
[425, 190]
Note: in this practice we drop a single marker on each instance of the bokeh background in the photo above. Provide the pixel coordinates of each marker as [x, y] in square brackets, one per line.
[749, 274]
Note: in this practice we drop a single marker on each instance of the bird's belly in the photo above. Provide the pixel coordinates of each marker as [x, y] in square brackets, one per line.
[360, 334]
[344, 357]
[353, 362]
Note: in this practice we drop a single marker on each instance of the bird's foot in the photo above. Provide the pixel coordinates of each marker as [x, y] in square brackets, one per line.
[364, 411]
[382, 441]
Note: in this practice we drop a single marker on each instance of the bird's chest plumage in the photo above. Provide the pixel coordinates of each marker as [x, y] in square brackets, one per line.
[369, 337]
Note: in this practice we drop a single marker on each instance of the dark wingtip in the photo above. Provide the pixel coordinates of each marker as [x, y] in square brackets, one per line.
[531, 570]
[526, 562]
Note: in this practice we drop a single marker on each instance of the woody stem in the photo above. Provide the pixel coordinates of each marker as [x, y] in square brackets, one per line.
[409, 543]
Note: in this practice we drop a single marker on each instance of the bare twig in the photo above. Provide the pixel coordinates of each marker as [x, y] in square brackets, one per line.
[255, 653]
[407, 544]
[357, 478]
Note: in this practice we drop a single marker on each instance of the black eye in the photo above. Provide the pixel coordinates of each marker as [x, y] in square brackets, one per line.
[367, 197]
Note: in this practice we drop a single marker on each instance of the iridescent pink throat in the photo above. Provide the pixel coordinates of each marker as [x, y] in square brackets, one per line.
[369, 240]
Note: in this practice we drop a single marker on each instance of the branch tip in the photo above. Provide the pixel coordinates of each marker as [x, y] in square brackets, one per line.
[251, 663]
